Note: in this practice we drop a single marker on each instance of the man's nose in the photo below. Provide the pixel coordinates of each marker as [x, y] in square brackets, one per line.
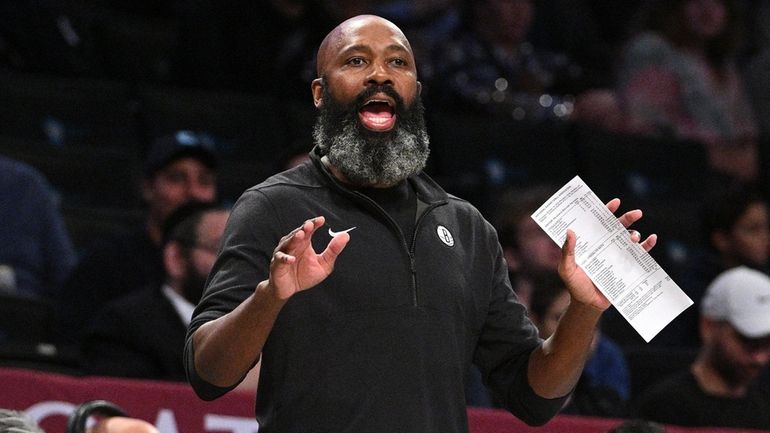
[199, 191]
[378, 75]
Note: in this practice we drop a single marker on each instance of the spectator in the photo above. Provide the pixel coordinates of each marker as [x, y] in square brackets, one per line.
[37, 253]
[179, 168]
[719, 389]
[490, 66]
[527, 248]
[678, 78]
[736, 232]
[604, 387]
[142, 334]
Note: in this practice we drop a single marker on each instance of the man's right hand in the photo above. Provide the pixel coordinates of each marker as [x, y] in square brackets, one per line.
[295, 266]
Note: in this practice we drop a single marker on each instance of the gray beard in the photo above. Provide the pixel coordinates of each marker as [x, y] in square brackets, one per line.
[380, 161]
[369, 158]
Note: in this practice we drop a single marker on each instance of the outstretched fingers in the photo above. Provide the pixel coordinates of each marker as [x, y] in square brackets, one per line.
[294, 265]
[613, 205]
[628, 218]
[650, 242]
[296, 241]
[647, 244]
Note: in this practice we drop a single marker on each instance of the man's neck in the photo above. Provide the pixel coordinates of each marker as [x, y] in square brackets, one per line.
[712, 383]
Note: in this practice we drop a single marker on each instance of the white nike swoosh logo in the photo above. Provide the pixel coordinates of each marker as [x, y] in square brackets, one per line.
[334, 234]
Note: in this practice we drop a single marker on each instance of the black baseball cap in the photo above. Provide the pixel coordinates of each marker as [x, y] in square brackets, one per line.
[180, 144]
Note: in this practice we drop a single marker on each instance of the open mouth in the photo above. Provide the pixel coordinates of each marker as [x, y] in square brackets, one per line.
[378, 114]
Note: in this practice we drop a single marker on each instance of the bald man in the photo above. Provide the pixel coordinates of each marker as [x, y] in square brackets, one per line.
[376, 332]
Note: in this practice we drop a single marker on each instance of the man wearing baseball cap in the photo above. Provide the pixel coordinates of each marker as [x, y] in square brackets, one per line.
[178, 168]
[719, 389]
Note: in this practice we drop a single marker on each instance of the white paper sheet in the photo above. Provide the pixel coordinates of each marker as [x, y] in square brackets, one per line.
[627, 275]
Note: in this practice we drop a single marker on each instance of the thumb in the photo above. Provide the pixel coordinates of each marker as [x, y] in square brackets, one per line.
[338, 243]
[568, 248]
[568, 252]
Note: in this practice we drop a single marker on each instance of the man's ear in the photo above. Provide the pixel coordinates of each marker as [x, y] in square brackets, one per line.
[317, 87]
[419, 88]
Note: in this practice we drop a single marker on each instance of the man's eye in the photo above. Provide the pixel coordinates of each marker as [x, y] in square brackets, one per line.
[399, 62]
[356, 61]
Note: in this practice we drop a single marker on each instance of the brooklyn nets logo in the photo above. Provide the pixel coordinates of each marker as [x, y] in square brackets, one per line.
[445, 236]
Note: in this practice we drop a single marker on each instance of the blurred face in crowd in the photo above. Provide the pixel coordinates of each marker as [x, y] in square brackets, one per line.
[705, 19]
[737, 359]
[536, 251]
[179, 182]
[748, 241]
[201, 256]
[370, 114]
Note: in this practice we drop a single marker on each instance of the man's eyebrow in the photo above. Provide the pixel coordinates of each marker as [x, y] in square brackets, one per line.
[354, 48]
[367, 48]
[397, 47]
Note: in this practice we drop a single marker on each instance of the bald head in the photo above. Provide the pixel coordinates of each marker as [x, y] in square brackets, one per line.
[338, 38]
[370, 124]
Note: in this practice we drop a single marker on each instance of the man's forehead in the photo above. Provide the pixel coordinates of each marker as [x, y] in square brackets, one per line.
[365, 37]
[360, 31]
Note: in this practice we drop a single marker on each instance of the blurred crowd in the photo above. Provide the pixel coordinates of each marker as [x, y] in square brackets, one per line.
[676, 74]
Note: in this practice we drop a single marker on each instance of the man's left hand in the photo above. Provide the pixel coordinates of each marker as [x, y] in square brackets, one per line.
[579, 285]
